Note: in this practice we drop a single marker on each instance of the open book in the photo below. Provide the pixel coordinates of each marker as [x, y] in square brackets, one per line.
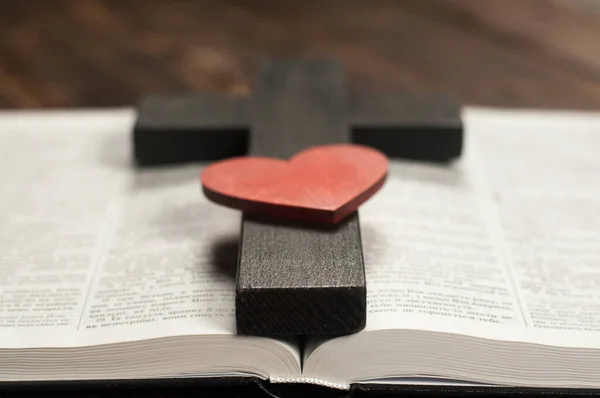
[486, 271]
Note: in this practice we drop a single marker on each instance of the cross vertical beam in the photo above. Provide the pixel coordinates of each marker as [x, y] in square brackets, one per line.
[295, 278]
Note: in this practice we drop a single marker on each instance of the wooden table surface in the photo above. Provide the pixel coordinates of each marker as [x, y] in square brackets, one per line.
[101, 53]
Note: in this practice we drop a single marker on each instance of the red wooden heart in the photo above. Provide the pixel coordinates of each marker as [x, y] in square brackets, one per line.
[321, 184]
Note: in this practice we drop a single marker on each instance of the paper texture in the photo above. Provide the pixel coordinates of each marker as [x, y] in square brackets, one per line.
[547, 192]
[94, 252]
[430, 253]
[509, 236]
[486, 271]
[170, 256]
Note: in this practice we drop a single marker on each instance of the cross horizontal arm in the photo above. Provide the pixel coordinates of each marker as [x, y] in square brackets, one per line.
[206, 127]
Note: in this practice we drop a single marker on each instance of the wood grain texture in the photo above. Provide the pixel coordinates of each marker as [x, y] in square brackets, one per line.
[517, 53]
[298, 278]
[321, 184]
[297, 104]
[180, 128]
[176, 129]
[419, 126]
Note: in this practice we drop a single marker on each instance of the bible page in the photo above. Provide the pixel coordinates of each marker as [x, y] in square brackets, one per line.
[503, 244]
[59, 178]
[543, 176]
[93, 252]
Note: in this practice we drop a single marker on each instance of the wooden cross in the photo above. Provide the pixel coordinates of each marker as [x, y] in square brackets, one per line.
[296, 278]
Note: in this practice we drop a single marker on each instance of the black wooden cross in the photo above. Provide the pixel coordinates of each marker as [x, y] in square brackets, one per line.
[296, 278]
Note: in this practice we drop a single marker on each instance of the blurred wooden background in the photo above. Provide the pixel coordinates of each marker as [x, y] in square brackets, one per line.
[101, 53]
